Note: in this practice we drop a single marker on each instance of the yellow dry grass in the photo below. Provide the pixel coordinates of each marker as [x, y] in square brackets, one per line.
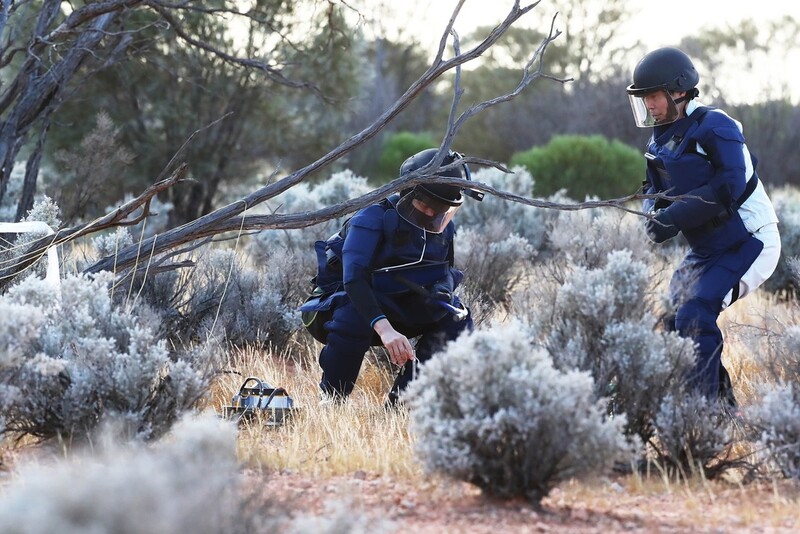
[749, 327]
[320, 439]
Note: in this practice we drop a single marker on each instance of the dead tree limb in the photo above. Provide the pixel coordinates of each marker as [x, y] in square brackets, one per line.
[229, 216]
[130, 213]
[232, 218]
[48, 49]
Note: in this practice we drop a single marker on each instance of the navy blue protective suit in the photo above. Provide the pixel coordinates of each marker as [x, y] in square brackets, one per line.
[702, 155]
[353, 294]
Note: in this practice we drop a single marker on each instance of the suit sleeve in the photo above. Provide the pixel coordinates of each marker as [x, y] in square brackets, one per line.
[723, 143]
[360, 247]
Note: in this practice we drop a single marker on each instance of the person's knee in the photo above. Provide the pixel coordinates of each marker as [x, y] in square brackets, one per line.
[697, 314]
[340, 361]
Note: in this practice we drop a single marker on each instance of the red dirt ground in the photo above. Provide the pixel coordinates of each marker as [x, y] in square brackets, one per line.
[609, 505]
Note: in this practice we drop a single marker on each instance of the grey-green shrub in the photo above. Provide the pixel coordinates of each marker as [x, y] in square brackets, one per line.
[587, 237]
[585, 166]
[109, 244]
[794, 268]
[776, 419]
[525, 221]
[67, 365]
[695, 434]
[498, 240]
[775, 415]
[492, 410]
[249, 294]
[599, 320]
[189, 483]
[493, 261]
[226, 299]
[296, 246]
[43, 210]
[787, 207]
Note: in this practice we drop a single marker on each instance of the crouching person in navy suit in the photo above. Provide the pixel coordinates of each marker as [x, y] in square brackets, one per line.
[387, 277]
[727, 217]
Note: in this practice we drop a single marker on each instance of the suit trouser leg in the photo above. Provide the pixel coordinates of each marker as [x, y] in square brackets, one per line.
[349, 338]
[432, 341]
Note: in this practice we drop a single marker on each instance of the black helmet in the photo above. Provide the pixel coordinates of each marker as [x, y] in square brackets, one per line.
[665, 68]
[451, 194]
[431, 206]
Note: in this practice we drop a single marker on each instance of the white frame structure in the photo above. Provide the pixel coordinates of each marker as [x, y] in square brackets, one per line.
[52, 276]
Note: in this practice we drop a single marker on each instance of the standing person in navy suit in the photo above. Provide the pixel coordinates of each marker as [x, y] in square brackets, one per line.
[726, 216]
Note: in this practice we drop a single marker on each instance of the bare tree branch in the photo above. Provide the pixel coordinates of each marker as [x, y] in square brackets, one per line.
[149, 253]
[228, 216]
[119, 217]
[56, 44]
[272, 72]
[83, 14]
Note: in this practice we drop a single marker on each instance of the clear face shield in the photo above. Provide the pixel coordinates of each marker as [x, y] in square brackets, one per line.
[426, 211]
[652, 107]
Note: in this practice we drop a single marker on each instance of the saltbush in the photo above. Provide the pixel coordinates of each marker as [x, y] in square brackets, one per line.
[525, 221]
[297, 245]
[188, 483]
[695, 434]
[224, 298]
[250, 294]
[498, 240]
[599, 321]
[43, 210]
[493, 410]
[109, 244]
[587, 237]
[584, 166]
[67, 364]
[776, 419]
[493, 261]
[775, 416]
[787, 207]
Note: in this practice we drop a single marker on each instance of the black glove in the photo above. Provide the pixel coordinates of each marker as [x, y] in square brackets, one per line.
[661, 227]
[442, 292]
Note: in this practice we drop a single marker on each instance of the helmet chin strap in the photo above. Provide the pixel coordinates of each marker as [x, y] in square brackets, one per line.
[691, 93]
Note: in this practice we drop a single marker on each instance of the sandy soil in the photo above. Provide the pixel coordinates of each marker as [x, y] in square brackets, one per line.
[625, 504]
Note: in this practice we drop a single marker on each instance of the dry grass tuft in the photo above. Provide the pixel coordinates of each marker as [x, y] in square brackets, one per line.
[322, 440]
[749, 327]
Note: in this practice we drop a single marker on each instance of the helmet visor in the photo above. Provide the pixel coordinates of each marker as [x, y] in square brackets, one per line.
[663, 105]
[426, 211]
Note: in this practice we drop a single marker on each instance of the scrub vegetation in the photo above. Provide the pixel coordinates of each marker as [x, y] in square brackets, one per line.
[554, 391]
[182, 154]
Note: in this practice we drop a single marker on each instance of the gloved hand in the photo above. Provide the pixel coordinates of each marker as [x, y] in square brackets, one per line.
[441, 292]
[661, 227]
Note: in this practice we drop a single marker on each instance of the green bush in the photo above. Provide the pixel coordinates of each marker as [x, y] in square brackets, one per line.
[397, 148]
[584, 166]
